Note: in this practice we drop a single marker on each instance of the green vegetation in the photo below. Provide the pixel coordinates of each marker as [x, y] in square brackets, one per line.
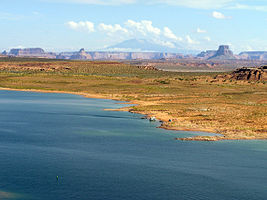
[25, 59]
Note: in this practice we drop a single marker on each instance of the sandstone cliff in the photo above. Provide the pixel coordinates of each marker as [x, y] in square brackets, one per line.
[247, 74]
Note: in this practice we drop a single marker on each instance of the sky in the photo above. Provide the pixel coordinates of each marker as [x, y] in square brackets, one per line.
[67, 25]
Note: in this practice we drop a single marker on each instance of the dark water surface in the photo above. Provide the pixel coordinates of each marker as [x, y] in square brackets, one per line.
[115, 155]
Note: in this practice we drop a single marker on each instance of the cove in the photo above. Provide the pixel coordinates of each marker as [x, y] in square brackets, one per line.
[99, 154]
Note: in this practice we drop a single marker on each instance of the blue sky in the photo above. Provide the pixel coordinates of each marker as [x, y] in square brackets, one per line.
[63, 25]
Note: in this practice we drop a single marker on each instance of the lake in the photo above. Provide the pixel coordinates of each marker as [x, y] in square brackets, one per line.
[108, 155]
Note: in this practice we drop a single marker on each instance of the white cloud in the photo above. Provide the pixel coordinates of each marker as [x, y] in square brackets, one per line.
[10, 16]
[165, 43]
[35, 13]
[170, 35]
[81, 26]
[248, 48]
[198, 4]
[95, 2]
[144, 27]
[136, 26]
[219, 15]
[252, 44]
[112, 28]
[249, 7]
[207, 38]
[190, 40]
[17, 47]
[150, 28]
[201, 31]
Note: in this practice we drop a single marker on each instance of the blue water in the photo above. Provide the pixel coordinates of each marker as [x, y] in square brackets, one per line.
[110, 155]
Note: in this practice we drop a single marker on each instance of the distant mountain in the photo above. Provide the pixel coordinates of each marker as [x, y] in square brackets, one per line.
[142, 45]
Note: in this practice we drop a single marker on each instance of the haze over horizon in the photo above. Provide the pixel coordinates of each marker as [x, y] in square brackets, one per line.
[58, 25]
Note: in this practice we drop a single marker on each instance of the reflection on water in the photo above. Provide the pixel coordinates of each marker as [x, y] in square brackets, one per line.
[8, 195]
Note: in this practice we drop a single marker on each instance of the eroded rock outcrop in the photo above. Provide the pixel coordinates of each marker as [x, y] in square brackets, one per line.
[206, 54]
[81, 55]
[247, 74]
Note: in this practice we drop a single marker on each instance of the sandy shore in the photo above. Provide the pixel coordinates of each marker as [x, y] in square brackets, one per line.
[163, 117]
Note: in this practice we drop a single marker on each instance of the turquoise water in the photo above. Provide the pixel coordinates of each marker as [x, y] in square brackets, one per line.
[110, 155]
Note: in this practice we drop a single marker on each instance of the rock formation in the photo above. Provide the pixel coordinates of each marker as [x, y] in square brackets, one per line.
[253, 55]
[81, 55]
[31, 52]
[247, 74]
[26, 52]
[103, 55]
[4, 53]
[206, 54]
[223, 53]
